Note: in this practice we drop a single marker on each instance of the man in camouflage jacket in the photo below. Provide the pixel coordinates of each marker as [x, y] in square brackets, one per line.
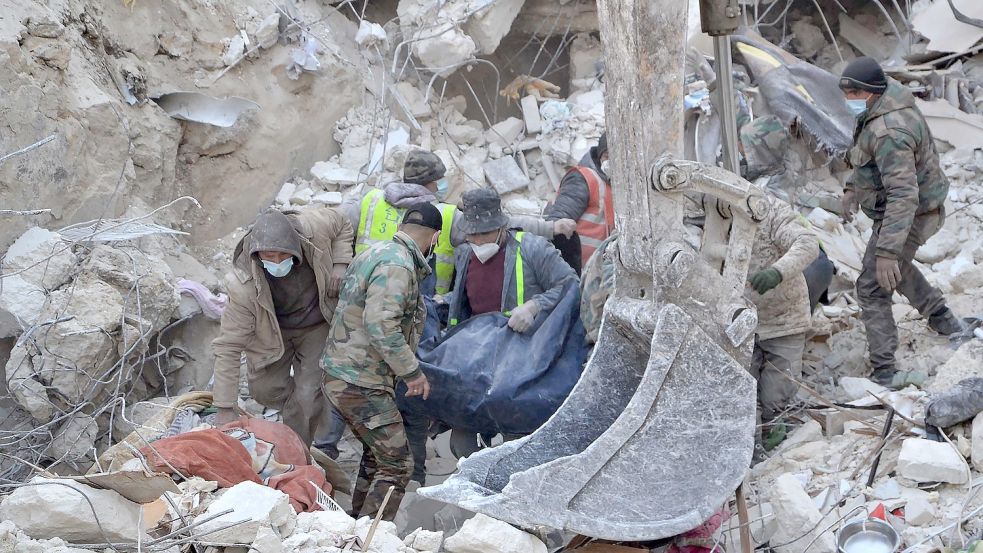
[372, 342]
[898, 182]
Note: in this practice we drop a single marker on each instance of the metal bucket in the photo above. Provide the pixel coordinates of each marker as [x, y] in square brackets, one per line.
[868, 536]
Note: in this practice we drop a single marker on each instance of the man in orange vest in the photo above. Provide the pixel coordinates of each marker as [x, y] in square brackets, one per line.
[585, 196]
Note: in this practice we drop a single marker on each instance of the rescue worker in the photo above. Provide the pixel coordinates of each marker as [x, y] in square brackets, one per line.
[501, 270]
[585, 196]
[286, 273]
[373, 340]
[376, 213]
[898, 182]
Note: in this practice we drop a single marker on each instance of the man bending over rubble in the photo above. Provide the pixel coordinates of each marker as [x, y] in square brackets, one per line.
[373, 341]
[376, 213]
[286, 272]
[898, 182]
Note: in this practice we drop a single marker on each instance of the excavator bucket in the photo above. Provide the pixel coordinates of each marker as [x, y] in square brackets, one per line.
[659, 431]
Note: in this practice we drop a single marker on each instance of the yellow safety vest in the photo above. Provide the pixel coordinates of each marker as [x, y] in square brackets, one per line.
[378, 222]
[520, 283]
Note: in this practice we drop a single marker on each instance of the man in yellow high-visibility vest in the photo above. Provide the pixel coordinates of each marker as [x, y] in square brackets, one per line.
[376, 213]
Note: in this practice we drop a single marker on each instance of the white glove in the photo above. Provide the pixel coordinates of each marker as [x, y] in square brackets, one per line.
[523, 316]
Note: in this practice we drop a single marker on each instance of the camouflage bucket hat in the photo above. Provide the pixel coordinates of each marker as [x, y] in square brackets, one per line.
[422, 167]
[482, 211]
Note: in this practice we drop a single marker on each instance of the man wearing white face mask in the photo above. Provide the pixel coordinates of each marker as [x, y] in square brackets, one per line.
[376, 213]
[287, 271]
[501, 270]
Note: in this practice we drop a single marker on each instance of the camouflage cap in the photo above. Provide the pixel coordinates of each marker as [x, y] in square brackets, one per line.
[422, 167]
[482, 211]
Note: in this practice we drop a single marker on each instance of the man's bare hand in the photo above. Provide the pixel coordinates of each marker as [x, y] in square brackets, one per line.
[418, 386]
[335, 279]
[848, 205]
[888, 273]
[225, 415]
[566, 227]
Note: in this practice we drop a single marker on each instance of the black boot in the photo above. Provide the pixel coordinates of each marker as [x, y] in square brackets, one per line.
[945, 323]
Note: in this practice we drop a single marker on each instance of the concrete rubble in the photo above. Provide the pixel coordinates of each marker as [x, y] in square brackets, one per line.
[87, 328]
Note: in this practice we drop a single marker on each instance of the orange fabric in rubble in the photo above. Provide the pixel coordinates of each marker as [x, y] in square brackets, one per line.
[297, 485]
[208, 454]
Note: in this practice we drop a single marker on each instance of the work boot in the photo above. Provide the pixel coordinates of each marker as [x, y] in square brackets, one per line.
[893, 379]
[946, 323]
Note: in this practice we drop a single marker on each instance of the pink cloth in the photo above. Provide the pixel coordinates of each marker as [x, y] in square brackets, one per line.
[211, 305]
[700, 539]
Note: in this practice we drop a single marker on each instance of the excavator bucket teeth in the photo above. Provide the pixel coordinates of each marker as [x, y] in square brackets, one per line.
[649, 443]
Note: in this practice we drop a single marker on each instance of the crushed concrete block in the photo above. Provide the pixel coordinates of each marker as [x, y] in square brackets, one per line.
[267, 540]
[505, 133]
[425, 540]
[268, 31]
[489, 26]
[235, 47]
[28, 392]
[128, 269]
[44, 26]
[794, 513]
[370, 34]
[963, 364]
[254, 503]
[50, 260]
[286, 192]
[940, 246]
[337, 522]
[977, 442]
[505, 175]
[927, 461]
[483, 534]
[919, 512]
[20, 305]
[810, 431]
[807, 38]
[443, 53]
[74, 440]
[328, 198]
[385, 540]
[965, 274]
[857, 388]
[328, 172]
[302, 197]
[530, 115]
[57, 508]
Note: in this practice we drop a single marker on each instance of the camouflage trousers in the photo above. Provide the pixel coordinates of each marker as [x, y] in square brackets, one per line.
[875, 302]
[771, 361]
[386, 460]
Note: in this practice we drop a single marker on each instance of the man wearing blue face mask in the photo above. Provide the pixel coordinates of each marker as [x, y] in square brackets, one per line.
[376, 213]
[502, 270]
[287, 271]
[898, 182]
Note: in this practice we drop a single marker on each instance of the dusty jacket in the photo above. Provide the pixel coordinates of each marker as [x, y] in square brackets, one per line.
[405, 194]
[783, 241]
[545, 273]
[249, 322]
[380, 317]
[573, 195]
[896, 167]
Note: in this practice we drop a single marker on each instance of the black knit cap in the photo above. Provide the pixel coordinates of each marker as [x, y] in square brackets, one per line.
[602, 145]
[423, 215]
[864, 74]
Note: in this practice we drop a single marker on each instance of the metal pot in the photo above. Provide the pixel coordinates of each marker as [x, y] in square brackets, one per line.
[867, 536]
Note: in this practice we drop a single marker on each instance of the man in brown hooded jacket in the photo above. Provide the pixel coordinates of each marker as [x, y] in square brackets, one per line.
[283, 290]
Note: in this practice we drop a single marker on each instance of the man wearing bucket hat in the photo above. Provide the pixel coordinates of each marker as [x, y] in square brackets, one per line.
[898, 182]
[501, 270]
[376, 213]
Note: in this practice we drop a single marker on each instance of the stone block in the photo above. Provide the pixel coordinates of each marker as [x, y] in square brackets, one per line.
[530, 115]
[268, 31]
[795, 512]
[504, 174]
[57, 508]
[927, 461]
[286, 192]
[425, 540]
[254, 503]
[43, 256]
[337, 522]
[20, 305]
[483, 534]
[331, 173]
[74, 440]
[235, 47]
[977, 443]
[327, 198]
[444, 52]
[919, 512]
[857, 388]
[505, 133]
[940, 246]
[489, 26]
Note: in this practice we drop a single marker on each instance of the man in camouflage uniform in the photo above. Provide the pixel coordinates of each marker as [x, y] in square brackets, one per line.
[596, 286]
[372, 342]
[899, 184]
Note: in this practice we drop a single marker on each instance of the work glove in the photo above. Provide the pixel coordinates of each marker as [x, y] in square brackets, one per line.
[335, 279]
[418, 386]
[848, 205]
[523, 316]
[566, 227]
[888, 273]
[765, 280]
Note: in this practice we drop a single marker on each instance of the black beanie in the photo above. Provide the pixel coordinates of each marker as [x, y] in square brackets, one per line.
[864, 74]
[602, 144]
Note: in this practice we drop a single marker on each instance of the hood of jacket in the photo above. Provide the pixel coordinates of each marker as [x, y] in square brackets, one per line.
[272, 231]
[405, 194]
